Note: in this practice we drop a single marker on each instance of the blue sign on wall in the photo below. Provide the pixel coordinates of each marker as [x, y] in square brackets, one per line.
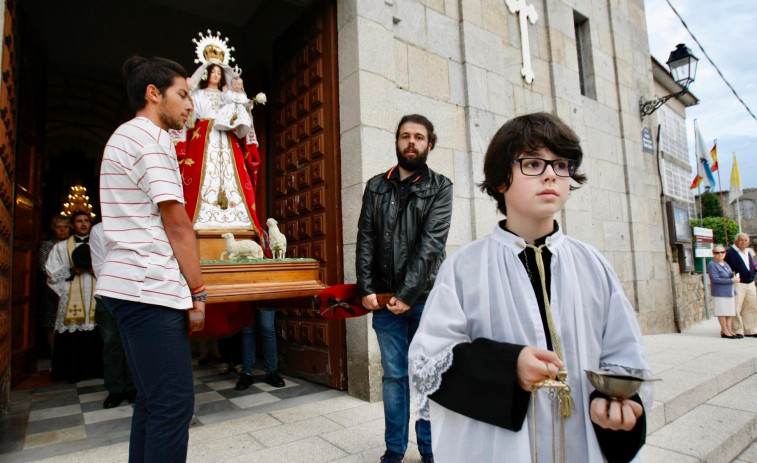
[647, 143]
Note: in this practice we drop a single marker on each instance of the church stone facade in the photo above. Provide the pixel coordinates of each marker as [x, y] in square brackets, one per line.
[469, 65]
[460, 63]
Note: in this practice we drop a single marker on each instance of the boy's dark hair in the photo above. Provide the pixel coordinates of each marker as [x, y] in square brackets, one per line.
[418, 119]
[140, 72]
[526, 135]
[76, 214]
[204, 82]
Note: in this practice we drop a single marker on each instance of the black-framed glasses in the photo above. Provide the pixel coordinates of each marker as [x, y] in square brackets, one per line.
[536, 166]
[718, 252]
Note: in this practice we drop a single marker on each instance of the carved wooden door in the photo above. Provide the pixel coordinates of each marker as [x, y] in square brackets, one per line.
[11, 333]
[306, 198]
[31, 82]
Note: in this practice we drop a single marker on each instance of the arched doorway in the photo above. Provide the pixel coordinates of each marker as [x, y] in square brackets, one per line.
[80, 47]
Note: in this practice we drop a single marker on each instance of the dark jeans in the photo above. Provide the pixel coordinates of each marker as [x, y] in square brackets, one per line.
[394, 333]
[157, 347]
[265, 320]
[116, 370]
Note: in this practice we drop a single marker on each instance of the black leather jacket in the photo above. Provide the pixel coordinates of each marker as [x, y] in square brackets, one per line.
[400, 251]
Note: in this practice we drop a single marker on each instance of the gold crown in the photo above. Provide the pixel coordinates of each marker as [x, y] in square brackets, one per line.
[213, 52]
[213, 49]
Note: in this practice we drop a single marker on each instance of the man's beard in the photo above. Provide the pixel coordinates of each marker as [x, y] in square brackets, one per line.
[412, 164]
[171, 122]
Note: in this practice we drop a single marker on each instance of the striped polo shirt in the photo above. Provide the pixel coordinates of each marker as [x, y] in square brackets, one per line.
[139, 170]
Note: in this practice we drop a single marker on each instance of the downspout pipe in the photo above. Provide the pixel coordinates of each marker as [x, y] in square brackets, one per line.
[666, 236]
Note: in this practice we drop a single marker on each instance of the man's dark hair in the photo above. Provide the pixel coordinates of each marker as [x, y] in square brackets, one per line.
[525, 135]
[75, 214]
[204, 82]
[140, 72]
[418, 119]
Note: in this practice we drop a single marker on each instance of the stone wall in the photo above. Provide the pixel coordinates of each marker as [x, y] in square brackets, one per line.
[690, 295]
[459, 62]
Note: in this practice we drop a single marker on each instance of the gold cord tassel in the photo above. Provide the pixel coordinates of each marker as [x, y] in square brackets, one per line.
[223, 201]
[564, 400]
[565, 404]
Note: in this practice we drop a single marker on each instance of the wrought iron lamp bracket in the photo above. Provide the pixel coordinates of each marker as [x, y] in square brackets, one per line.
[647, 107]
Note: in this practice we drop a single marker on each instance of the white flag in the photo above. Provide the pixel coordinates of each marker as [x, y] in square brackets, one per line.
[735, 191]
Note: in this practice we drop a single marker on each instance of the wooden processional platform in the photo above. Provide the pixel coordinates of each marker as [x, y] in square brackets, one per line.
[254, 279]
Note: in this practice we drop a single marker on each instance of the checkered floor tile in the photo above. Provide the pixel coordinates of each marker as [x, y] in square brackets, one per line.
[65, 418]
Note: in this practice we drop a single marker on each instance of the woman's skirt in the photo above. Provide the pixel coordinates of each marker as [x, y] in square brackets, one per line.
[724, 306]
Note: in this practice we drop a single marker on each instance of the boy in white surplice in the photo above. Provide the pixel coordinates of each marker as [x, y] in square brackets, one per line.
[512, 309]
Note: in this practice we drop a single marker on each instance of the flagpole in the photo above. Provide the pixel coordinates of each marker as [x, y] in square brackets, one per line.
[722, 203]
[701, 224]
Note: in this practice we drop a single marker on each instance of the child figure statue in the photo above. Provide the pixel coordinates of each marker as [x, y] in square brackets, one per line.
[235, 114]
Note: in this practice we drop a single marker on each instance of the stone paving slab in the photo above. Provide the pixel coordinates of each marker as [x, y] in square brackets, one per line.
[223, 448]
[290, 432]
[316, 409]
[357, 415]
[742, 396]
[652, 454]
[358, 439]
[235, 427]
[749, 455]
[310, 450]
[708, 433]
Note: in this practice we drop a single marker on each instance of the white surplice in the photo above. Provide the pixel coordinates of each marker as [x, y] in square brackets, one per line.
[58, 268]
[483, 291]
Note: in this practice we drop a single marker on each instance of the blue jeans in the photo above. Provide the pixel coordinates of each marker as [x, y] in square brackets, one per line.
[394, 333]
[264, 319]
[156, 344]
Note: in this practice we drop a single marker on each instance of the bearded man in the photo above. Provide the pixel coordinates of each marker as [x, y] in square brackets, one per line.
[402, 233]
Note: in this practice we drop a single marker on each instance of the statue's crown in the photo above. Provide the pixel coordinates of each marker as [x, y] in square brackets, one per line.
[213, 49]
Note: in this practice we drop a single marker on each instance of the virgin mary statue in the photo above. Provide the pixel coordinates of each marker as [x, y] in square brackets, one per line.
[218, 168]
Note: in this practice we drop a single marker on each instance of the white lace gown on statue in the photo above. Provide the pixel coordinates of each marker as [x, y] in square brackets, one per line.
[219, 170]
[234, 115]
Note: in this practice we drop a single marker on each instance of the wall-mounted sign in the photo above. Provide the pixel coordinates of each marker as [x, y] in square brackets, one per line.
[703, 241]
[678, 223]
[647, 142]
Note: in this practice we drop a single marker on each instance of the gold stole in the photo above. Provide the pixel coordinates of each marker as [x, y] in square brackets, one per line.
[75, 310]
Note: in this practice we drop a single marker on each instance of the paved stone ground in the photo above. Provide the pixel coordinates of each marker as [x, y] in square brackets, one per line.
[66, 418]
[309, 423]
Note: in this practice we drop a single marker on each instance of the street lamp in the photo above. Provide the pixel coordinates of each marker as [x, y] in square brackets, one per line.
[683, 67]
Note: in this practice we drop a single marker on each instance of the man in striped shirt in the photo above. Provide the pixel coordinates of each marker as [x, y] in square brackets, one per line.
[151, 273]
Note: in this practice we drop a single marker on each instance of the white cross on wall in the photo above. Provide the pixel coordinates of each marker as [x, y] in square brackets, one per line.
[525, 13]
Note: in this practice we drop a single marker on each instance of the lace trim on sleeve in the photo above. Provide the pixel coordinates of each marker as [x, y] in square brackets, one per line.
[60, 275]
[426, 377]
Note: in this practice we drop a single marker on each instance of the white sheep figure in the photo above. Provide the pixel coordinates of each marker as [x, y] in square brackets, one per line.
[243, 249]
[277, 239]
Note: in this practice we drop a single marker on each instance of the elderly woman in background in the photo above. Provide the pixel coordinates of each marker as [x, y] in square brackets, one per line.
[722, 278]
